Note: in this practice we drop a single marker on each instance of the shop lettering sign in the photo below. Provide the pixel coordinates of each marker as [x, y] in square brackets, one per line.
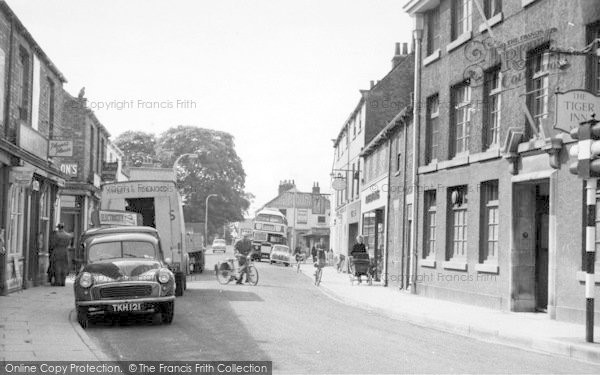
[60, 148]
[70, 169]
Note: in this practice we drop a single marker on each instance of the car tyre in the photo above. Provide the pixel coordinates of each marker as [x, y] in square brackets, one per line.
[286, 264]
[167, 312]
[179, 283]
[82, 316]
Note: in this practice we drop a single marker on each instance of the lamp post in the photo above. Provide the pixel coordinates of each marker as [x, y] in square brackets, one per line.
[191, 156]
[206, 218]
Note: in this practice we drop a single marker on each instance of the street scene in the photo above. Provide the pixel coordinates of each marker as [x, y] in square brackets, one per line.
[299, 187]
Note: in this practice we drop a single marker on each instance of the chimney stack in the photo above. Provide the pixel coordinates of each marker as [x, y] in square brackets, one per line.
[316, 189]
[399, 55]
[372, 84]
[285, 185]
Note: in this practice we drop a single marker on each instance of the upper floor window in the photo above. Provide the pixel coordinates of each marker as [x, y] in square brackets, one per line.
[461, 119]
[432, 135]
[353, 129]
[23, 72]
[461, 17]
[433, 30]
[491, 8]
[594, 59]
[537, 85]
[321, 219]
[493, 90]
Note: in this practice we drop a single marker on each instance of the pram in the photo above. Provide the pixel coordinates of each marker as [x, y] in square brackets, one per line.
[360, 265]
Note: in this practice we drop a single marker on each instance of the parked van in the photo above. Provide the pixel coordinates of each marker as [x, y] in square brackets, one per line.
[159, 204]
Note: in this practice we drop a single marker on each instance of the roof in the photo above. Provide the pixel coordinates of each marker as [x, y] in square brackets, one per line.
[352, 114]
[294, 198]
[418, 6]
[36, 47]
[384, 134]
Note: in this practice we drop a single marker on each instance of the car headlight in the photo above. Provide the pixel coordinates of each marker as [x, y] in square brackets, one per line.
[164, 276]
[86, 280]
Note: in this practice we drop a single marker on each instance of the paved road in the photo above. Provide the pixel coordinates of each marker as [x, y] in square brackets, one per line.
[287, 320]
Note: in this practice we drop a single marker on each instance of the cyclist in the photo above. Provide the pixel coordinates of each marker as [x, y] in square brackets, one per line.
[243, 249]
[321, 256]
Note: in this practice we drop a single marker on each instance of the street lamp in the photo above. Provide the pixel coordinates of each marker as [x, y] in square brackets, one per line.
[191, 156]
[206, 218]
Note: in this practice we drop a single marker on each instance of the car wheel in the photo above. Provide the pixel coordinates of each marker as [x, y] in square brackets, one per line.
[179, 284]
[286, 264]
[167, 311]
[82, 316]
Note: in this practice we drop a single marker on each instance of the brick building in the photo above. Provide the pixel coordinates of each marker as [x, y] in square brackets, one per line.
[499, 214]
[376, 107]
[307, 214]
[82, 164]
[30, 108]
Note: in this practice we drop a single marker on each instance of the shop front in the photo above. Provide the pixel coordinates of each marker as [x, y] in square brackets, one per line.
[374, 211]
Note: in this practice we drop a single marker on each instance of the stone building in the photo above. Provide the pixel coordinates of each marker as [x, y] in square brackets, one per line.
[499, 214]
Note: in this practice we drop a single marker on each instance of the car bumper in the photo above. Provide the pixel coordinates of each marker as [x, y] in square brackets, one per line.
[107, 302]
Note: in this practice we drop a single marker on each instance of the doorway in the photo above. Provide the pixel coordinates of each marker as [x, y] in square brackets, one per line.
[531, 213]
[352, 233]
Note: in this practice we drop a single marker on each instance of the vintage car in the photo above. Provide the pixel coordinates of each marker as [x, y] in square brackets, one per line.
[219, 245]
[281, 254]
[123, 271]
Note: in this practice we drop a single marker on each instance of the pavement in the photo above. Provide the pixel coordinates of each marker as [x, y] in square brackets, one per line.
[40, 324]
[529, 331]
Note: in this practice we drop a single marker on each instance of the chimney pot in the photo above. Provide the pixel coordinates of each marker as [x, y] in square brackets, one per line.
[405, 48]
[397, 52]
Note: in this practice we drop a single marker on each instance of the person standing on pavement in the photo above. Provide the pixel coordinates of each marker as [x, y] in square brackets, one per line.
[60, 254]
[243, 248]
[313, 252]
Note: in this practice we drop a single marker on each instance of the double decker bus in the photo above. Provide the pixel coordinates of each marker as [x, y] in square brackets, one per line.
[269, 228]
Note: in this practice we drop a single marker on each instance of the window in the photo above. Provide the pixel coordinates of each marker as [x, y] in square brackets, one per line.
[457, 219]
[430, 223]
[51, 102]
[432, 135]
[433, 30]
[321, 219]
[461, 119]
[594, 59]
[488, 252]
[398, 161]
[23, 79]
[353, 128]
[493, 90]
[352, 177]
[368, 231]
[461, 17]
[358, 179]
[491, 8]
[537, 85]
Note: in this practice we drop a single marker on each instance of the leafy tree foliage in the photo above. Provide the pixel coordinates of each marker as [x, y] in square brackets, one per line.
[217, 170]
[138, 146]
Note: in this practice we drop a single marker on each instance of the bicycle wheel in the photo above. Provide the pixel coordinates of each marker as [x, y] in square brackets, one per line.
[318, 276]
[252, 275]
[223, 273]
[297, 266]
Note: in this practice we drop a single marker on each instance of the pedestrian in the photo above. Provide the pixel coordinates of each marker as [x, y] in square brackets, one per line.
[359, 246]
[321, 255]
[330, 257]
[59, 259]
[2, 246]
[313, 252]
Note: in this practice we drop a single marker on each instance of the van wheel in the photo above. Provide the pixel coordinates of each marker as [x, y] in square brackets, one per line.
[167, 311]
[179, 284]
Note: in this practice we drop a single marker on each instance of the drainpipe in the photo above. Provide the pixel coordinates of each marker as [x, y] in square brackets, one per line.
[404, 163]
[387, 212]
[417, 34]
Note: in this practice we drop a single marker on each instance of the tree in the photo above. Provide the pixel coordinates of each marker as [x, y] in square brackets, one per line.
[138, 146]
[217, 170]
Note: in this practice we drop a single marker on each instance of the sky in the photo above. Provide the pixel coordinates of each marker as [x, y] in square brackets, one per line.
[280, 76]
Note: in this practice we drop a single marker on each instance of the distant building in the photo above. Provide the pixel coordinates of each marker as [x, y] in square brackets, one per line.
[307, 214]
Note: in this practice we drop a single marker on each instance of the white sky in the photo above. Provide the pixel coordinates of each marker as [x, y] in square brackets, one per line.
[281, 76]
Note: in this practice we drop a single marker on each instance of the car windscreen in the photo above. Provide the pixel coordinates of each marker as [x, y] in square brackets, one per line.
[122, 249]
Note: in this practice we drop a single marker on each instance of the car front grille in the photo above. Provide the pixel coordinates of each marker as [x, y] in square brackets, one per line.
[125, 291]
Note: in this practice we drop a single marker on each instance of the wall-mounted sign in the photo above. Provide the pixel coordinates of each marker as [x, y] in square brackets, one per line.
[60, 148]
[302, 216]
[371, 197]
[338, 183]
[70, 169]
[21, 175]
[573, 107]
[119, 218]
[109, 171]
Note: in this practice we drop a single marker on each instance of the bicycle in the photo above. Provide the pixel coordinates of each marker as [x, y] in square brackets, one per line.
[228, 270]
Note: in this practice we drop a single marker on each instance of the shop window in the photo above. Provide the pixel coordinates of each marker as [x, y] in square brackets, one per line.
[321, 219]
[369, 229]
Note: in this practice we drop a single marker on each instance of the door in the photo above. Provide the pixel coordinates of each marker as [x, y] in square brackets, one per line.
[352, 233]
[541, 247]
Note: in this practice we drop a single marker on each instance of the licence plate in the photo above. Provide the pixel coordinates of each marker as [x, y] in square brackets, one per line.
[117, 307]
